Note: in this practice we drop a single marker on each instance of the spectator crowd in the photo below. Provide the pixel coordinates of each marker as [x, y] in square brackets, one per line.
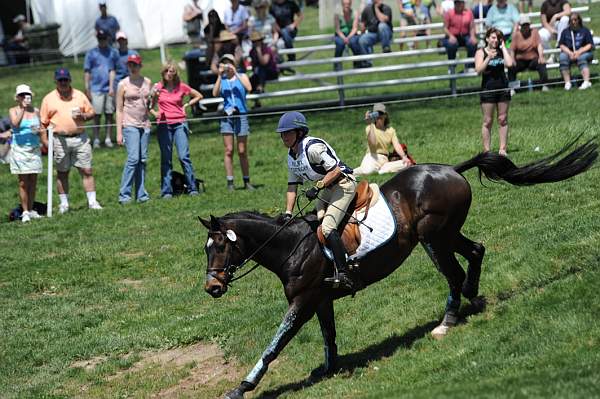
[244, 49]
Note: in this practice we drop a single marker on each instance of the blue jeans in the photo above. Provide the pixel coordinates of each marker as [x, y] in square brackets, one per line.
[582, 61]
[288, 35]
[136, 143]
[340, 46]
[452, 48]
[368, 39]
[167, 135]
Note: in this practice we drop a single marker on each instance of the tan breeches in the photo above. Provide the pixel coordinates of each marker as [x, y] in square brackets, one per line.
[339, 195]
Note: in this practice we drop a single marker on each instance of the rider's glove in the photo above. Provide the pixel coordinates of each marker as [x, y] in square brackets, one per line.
[311, 193]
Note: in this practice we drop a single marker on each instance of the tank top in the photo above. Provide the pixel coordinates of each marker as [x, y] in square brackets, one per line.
[234, 94]
[494, 77]
[22, 135]
[134, 103]
[346, 26]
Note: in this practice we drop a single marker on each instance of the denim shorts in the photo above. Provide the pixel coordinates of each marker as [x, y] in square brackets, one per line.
[237, 125]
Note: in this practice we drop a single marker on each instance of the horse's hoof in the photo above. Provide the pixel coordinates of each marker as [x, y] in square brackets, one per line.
[440, 331]
[236, 393]
[479, 302]
[470, 291]
[322, 372]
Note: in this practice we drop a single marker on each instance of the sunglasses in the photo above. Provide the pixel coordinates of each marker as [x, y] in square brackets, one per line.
[62, 80]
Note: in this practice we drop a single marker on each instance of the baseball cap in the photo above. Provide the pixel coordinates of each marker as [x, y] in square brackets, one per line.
[121, 35]
[228, 57]
[100, 34]
[62, 73]
[22, 89]
[19, 18]
[135, 58]
[379, 107]
[524, 19]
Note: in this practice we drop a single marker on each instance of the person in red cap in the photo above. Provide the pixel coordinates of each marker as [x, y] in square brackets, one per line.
[133, 130]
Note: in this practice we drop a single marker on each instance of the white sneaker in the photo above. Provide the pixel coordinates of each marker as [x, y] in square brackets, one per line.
[25, 217]
[568, 86]
[108, 143]
[34, 215]
[512, 92]
[94, 205]
[585, 85]
[63, 208]
[96, 143]
[545, 88]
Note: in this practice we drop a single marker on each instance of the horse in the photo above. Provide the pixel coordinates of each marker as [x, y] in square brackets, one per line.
[429, 202]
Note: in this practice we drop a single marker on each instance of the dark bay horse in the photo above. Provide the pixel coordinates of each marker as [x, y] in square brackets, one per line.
[430, 203]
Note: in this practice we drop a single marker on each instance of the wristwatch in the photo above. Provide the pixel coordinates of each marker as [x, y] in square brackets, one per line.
[320, 184]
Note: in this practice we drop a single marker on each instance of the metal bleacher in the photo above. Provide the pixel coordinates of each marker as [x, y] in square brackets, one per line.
[334, 78]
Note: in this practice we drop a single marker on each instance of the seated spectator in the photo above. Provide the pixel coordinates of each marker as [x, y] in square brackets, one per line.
[232, 87]
[528, 53]
[407, 17]
[346, 29]
[236, 20]
[288, 16]
[264, 23]
[376, 23]
[192, 19]
[423, 15]
[484, 5]
[26, 157]
[99, 68]
[381, 137]
[264, 64]
[554, 15]
[122, 71]
[227, 43]
[459, 28]
[504, 17]
[576, 47]
[211, 32]
[68, 109]
[107, 23]
[17, 48]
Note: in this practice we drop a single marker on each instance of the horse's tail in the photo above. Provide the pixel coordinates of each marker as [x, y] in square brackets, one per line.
[554, 168]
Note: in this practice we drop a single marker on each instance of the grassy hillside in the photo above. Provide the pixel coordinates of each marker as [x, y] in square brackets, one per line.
[106, 288]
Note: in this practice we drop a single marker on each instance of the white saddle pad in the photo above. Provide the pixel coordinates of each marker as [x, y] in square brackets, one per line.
[381, 220]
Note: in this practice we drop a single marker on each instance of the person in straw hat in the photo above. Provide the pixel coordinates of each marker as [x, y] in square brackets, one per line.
[227, 43]
[264, 62]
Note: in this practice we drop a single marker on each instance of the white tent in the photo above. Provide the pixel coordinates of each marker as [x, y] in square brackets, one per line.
[147, 23]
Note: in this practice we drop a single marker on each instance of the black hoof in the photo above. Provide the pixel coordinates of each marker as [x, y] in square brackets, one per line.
[470, 291]
[321, 373]
[234, 394]
[479, 303]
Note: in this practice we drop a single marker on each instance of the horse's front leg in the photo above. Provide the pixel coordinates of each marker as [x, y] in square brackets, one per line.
[326, 317]
[295, 317]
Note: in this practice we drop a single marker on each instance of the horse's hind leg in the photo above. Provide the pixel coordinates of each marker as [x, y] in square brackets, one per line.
[473, 252]
[327, 322]
[446, 263]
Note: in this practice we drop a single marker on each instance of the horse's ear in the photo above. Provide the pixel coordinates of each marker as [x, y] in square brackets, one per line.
[205, 223]
[214, 223]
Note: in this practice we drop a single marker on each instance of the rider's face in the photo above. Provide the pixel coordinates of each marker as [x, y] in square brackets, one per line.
[288, 138]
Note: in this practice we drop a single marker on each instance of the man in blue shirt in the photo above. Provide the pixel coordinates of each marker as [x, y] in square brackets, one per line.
[504, 17]
[99, 73]
[107, 23]
[124, 52]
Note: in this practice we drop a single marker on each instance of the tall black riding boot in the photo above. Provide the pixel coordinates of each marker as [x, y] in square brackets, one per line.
[341, 277]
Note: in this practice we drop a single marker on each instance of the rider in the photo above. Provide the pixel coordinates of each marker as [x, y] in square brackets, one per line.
[312, 159]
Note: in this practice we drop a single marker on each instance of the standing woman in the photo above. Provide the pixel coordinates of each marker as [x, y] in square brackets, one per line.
[490, 62]
[173, 127]
[233, 86]
[26, 157]
[133, 129]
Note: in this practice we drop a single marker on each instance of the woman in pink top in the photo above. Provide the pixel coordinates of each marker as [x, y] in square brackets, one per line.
[133, 129]
[173, 127]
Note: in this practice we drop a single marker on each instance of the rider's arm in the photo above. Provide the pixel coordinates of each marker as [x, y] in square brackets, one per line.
[329, 178]
[290, 198]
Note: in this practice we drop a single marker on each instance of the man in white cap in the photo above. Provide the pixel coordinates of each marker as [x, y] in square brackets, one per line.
[17, 47]
[528, 52]
[122, 71]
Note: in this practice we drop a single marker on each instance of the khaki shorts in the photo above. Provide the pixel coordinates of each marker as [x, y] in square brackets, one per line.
[103, 103]
[72, 151]
[339, 195]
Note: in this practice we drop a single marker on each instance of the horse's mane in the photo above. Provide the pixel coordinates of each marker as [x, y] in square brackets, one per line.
[253, 215]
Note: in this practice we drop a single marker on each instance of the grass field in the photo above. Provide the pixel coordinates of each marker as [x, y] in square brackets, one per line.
[110, 304]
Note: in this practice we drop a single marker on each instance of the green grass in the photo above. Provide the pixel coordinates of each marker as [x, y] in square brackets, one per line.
[66, 293]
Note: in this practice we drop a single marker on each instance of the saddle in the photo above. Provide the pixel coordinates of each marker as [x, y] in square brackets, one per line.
[365, 197]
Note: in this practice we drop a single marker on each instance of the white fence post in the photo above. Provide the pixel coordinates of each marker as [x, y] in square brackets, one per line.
[50, 171]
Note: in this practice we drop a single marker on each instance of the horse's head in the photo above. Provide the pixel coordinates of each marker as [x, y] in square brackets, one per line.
[223, 255]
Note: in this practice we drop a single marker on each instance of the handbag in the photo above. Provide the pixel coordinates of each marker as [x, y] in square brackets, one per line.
[394, 156]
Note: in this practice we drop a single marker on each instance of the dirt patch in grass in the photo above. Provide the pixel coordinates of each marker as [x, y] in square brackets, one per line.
[130, 283]
[89, 364]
